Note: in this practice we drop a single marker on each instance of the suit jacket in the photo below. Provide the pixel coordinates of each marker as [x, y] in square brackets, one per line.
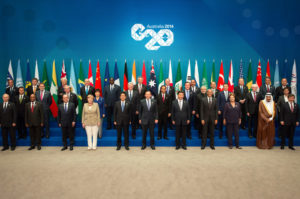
[111, 97]
[35, 118]
[20, 106]
[197, 90]
[12, 94]
[134, 102]
[143, 90]
[222, 100]
[215, 95]
[60, 92]
[199, 98]
[65, 118]
[192, 100]
[148, 116]
[279, 92]
[122, 116]
[84, 95]
[47, 99]
[73, 99]
[30, 90]
[171, 93]
[180, 116]
[232, 114]
[251, 105]
[100, 103]
[263, 90]
[9, 115]
[164, 107]
[209, 113]
[90, 114]
[281, 101]
[289, 117]
[239, 95]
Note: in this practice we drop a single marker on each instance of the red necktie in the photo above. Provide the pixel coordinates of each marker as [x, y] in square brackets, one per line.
[163, 97]
[41, 96]
[292, 107]
[268, 89]
[254, 96]
[31, 107]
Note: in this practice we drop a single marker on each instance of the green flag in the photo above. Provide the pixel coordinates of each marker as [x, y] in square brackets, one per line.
[80, 83]
[161, 76]
[249, 78]
[204, 76]
[178, 82]
[45, 79]
[213, 76]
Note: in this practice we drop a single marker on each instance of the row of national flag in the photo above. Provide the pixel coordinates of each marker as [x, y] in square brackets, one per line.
[152, 85]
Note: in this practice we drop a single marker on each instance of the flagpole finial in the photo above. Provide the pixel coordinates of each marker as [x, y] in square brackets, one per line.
[115, 60]
[221, 60]
[204, 60]
[27, 60]
[241, 59]
[125, 60]
[80, 60]
[179, 60]
[98, 60]
[250, 60]
[213, 60]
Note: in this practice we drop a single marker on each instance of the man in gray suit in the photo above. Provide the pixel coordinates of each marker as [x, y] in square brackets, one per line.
[44, 97]
[148, 117]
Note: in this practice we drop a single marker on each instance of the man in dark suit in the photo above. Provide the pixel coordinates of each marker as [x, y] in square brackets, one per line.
[267, 88]
[122, 119]
[194, 87]
[170, 90]
[190, 97]
[61, 89]
[214, 89]
[252, 102]
[197, 121]
[132, 97]
[164, 112]
[223, 98]
[148, 117]
[279, 89]
[280, 102]
[34, 118]
[66, 120]
[140, 88]
[71, 96]
[240, 92]
[289, 116]
[111, 96]
[44, 97]
[20, 101]
[11, 90]
[209, 118]
[86, 90]
[8, 120]
[33, 87]
[180, 118]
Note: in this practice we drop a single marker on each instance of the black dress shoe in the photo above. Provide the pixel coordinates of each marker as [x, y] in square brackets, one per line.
[143, 147]
[39, 147]
[220, 137]
[230, 147]
[12, 148]
[166, 138]
[282, 147]
[127, 148]
[238, 147]
[19, 138]
[212, 148]
[64, 148]
[47, 136]
[183, 147]
[133, 137]
[292, 148]
[243, 127]
[189, 137]
[4, 149]
[153, 147]
[158, 138]
[32, 147]
[177, 147]
[108, 128]
[203, 147]
[118, 148]
[71, 148]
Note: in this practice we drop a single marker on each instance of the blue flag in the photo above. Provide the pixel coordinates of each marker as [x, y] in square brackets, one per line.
[19, 79]
[116, 76]
[106, 77]
[28, 77]
[276, 75]
[152, 82]
[241, 70]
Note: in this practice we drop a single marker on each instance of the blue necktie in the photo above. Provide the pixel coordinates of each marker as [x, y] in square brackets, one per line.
[148, 105]
[187, 95]
[168, 89]
[66, 107]
[122, 104]
[86, 90]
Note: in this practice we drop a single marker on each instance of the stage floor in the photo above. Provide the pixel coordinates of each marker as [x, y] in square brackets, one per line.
[163, 173]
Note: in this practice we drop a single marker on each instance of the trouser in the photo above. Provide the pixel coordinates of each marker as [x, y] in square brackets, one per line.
[221, 124]
[46, 124]
[288, 132]
[109, 114]
[181, 133]
[196, 122]
[163, 124]
[188, 129]
[125, 129]
[92, 132]
[244, 115]
[134, 124]
[12, 135]
[170, 122]
[100, 128]
[233, 129]
[22, 131]
[252, 125]
[68, 132]
[151, 131]
[208, 130]
[35, 135]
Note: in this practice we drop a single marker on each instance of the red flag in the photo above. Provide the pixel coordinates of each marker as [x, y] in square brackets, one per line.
[258, 75]
[268, 73]
[125, 78]
[144, 74]
[54, 108]
[63, 71]
[221, 78]
[98, 79]
[230, 78]
[90, 76]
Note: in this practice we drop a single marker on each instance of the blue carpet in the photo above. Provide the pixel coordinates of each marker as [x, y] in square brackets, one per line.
[110, 137]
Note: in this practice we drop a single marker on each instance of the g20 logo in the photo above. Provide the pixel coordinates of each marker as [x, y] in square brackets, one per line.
[164, 37]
